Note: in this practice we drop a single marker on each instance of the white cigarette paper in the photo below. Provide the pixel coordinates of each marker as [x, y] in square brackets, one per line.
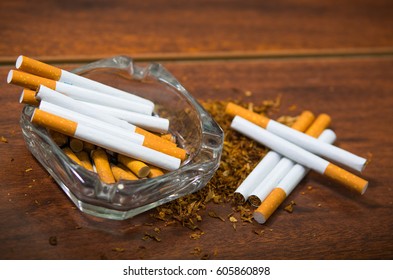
[151, 123]
[258, 174]
[94, 123]
[287, 184]
[95, 97]
[54, 97]
[315, 146]
[279, 145]
[74, 79]
[298, 172]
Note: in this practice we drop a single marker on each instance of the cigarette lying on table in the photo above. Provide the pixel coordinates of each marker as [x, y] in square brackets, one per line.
[268, 162]
[298, 154]
[105, 140]
[284, 165]
[35, 67]
[307, 142]
[34, 82]
[287, 184]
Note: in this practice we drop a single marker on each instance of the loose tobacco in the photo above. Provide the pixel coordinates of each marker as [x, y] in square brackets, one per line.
[239, 157]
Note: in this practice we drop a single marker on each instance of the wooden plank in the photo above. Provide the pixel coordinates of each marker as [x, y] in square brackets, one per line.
[328, 221]
[84, 30]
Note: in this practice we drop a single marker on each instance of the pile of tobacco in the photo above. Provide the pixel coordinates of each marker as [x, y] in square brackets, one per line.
[239, 157]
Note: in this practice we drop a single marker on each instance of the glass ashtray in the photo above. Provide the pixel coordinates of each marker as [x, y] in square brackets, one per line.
[193, 127]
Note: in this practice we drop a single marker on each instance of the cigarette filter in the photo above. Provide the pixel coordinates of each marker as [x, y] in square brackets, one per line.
[236, 110]
[157, 143]
[121, 173]
[298, 154]
[76, 145]
[59, 138]
[28, 80]
[169, 137]
[84, 158]
[101, 163]
[307, 142]
[94, 97]
[155, 172]
[137, 167]
[263, 189]
[266, 165]
[105, 140]
[286, 185]
[28, 97]
[88, 147]
[44, 70]
[71, 155]
[151, 123]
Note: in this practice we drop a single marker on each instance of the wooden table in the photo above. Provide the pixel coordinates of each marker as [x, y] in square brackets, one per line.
[327, 56]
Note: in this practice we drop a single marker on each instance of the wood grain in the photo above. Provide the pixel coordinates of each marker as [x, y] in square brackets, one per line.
[156, 29]
[328, 221]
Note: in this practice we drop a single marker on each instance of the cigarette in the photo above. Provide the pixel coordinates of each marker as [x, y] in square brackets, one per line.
[76, 145]
[287, 185]
[84, 158]
[151, 123]
[94, 97]
[94, 123]
[137, 167]
[155, 172]
[299, 154]
[28, 97]
[71, 155]
[150, 140]
[157, 143]
[269, 161]
[121, 173]
[307, 142]
[262, 190]
[44, 70]
[101, 163]
[105, 140]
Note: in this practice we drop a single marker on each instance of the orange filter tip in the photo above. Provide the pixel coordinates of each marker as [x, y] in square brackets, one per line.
[38, 68]
[235, 110]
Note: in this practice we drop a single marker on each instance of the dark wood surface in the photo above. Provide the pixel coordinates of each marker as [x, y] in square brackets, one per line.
[328, 221]
[89, 29]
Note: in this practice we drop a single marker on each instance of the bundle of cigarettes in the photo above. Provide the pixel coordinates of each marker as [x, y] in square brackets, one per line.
[294, 151]
[102, 128]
